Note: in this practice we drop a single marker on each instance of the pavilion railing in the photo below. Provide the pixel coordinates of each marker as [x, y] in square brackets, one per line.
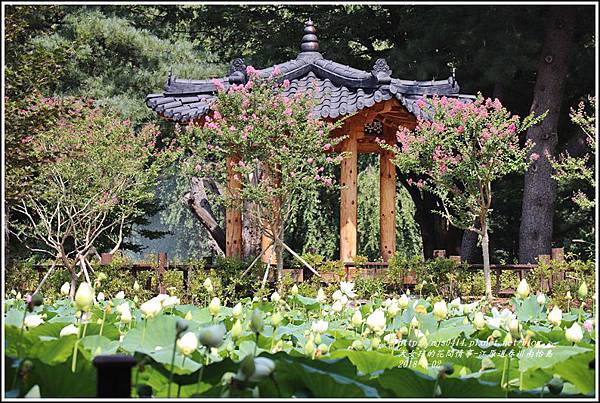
[350, 271]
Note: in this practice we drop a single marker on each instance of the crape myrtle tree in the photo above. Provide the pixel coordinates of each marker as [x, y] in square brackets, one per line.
[274, 151]
[96, 173]
[458, 151]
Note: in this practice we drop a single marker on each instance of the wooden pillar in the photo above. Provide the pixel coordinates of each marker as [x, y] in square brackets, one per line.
[349, 191]
[387, 206]
[162, 265]
[273, 178]
[233, 217]
[265, 241]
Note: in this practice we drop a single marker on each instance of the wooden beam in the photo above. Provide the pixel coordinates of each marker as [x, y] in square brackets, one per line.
[233, 217]
[387, 201]
[348, 196]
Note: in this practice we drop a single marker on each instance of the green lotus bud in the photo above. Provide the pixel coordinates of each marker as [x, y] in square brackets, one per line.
[247, 366]
[555, 385]
[276, 319]
[404, 330]
[496, 334]
[309, 347]
[257, 323]
[323, 347]
[583, 290]
[84, 297]
[317, 338]
[236, 329]
[294, 290]
[180, 327]
[357, 319]
[508, 340]
[358, 345]
[208, 286]
[212, 336]
[237, 310]
[375, 342]
[215, 306]
[523, 289]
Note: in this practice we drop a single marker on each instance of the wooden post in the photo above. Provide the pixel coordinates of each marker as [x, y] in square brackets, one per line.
[269, 255]
[348, 197]
[544, 282]
[439, 253]
[558, 255]
[106, 258]
[387, 203]
[162, 264]
[233, 217]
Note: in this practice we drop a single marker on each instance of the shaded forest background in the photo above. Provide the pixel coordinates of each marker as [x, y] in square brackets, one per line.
[118, 54]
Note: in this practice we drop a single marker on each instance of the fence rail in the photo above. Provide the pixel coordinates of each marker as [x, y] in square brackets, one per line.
[350, 272]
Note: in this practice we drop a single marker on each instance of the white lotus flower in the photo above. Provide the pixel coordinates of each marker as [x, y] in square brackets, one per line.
[357, 319]
[275, 297]
[170, 301]
[514, 326]
[479, 320]
[455, 303]
[500, 319]
[376, 321]
[188, 343]
[100, 296]
[68, 330]
[347, 288]
[337, 295]
[440, 310]
[523, 289]
[555, 316]
[122, 308]
[84, 297]
[151, 308]
[320, 326]
[403, 301]
[66, 288]
[237, 310]
[120, 295]
[126, 316]
[32, 321]
[541, 299]
[263, 367]
[391, 339]
[344, 300]
[337, 306]
[321, 297]
[574, 334]
[215, 306]
[393, 309]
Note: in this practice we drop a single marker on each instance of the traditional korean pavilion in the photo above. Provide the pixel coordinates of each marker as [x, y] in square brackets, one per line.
[377, 102]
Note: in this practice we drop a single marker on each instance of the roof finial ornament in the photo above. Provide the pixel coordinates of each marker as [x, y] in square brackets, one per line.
[170, 76]
[310, 43]
[382, 72]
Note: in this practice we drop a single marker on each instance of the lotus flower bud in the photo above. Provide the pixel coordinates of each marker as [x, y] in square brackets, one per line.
[357, 319]
[294, 290]
[135, 299]
[212, 336]
[555, 385]
[275, 297]
[136, 286]
[323, 348]
[66, 288]
[256, 321]
[541, 299]
[583, 290]
[555, 316]
[523, 289]
[126, 317]
[514, 327]
[574, 334]
[321, 297]
[317, 338]
[393, 309]
[496, 333]
[32, 321]
[187, 344]
[276, 319]
[237, 310]
[120, 295]
[508, 340]
[440, 310]
[188, 315]
[100, 296]
[236, 329]
[414, 322]
[337, 295]
[208, 285]
[309, 347]
[422, 343]
[69, 330]
[358, 345]
[215, 306]
[263, 367]
[337, 306]
[84, 297]
[403, 301]
[479, 320]
[404, 330]
[375, 342]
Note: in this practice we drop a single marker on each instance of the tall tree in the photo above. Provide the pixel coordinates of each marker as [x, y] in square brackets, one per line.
[539, 195]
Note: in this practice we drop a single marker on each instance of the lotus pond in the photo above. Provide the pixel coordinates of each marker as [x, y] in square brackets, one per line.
[302, 346]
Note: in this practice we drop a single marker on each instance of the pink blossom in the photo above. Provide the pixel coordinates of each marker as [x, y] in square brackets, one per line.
[460, 129]
[26, 139]
[534, 156]
[328, 181]
[329, 159]
[250, 70]
[512, 128]
[288, 112]
[276, 71]
[588, 325]
[317, 177]
[443, 168]
[420, 184]
[421, 104]
[216, 115]
[286, 84]
[410, 181]
[327, 147]
[218, 83]
[310, 160]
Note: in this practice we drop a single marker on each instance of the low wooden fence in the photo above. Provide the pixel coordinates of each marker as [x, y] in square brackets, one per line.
[350, 271]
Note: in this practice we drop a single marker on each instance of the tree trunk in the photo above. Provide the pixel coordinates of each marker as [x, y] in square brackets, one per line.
[197, 201]
[468, 247]
[485, 248]
[251, 235]
[535, 233]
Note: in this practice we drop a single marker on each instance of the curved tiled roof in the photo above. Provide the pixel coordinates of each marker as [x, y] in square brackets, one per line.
[342, 90]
